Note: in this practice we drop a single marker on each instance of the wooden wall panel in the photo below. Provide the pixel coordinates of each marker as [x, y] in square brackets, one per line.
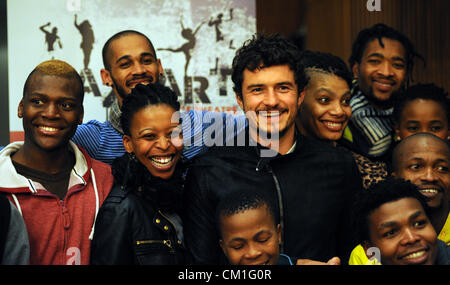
[280, 16]
[334, 24]
[327, 24]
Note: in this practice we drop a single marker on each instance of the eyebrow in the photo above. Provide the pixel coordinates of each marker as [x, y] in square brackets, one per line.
[376, 54]
[35, 93]
[399, 58]
[439, 160]
[171, 128]
[330, 91]
[324, 89]
[254, 85]
[415, 215]
[237, 239]
[388, 225]
[143, 130]
[129, 56]
[255, 235]
[393, 223]
[421, 160]
[261, 84]
[416, 158]
[432, 121]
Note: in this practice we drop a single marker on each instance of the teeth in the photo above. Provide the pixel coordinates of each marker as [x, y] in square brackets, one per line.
[269, 114]
[415, 255]
[433, 191]
[133, 83]
[162, 160]
[49, 129]
[333, 124]
[384, 84]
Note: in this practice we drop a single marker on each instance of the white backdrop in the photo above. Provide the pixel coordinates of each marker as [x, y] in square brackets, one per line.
[214, 28]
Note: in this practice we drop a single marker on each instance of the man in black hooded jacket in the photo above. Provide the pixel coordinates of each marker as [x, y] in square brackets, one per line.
[311, 182]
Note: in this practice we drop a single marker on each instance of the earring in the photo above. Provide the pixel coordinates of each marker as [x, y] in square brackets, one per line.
[132, 156]
[354, 85]
[162, 78]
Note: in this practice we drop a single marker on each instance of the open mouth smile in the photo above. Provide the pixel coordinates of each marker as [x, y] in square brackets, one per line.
[430, 192]
[416, 257]
[383, 85]
[133, 82]
[333, 125]
[47, 130]
[162, 162]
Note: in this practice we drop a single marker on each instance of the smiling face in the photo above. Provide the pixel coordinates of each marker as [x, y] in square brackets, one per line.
[155, 138]
[132, 60]
[251, 237]
[51, 110]
[270, 99]
[423, 116]
[325, 111]
[425, 162]
[403, 233]
[381, 71]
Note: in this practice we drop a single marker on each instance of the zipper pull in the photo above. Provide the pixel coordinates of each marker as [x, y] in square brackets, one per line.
[168, 243]
[66, 218]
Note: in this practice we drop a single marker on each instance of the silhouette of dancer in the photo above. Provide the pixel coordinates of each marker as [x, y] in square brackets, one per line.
[188, 47]
[217, 23]
[51, 37]
[87, 42]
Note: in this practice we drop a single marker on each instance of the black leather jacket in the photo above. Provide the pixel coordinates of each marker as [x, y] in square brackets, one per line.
[131, 228]
[313, 187]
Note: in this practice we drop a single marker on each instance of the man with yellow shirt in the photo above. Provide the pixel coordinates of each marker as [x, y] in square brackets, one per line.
[424, 159]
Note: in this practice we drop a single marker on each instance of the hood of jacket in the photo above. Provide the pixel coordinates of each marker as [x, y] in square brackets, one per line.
[12, 182]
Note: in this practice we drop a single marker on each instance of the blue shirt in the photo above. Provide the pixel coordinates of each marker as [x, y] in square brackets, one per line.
[201, 130]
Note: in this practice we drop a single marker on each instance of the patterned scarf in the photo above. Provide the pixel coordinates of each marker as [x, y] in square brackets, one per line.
[375, 124]
[114, 116]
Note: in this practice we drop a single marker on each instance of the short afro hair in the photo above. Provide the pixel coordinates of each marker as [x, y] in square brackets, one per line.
[240, 201]
[389, 190]
[58, 68]
[425, 91]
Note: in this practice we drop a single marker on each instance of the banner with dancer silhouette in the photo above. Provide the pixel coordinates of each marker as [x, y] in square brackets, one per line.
[195, 39]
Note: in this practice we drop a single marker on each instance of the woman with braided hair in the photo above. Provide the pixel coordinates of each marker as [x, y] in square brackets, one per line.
[139, 221]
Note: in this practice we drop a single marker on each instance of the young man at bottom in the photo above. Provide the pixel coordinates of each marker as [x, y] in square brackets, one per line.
[55, 185]
[392, 223]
